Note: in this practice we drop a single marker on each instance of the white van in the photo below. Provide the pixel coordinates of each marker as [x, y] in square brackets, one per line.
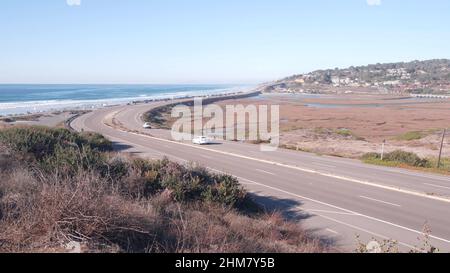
[201, 140]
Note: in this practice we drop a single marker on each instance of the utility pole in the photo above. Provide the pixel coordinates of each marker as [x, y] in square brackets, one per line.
[440, 150]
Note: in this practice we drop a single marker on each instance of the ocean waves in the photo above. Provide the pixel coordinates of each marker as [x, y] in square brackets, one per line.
[23, 99]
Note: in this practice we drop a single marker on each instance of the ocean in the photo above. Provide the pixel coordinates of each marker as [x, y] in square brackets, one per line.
[34, 98]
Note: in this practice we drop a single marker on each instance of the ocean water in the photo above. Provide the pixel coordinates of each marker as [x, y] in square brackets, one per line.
[20, 98]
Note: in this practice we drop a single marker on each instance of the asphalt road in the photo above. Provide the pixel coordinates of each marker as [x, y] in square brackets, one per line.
[337, 199]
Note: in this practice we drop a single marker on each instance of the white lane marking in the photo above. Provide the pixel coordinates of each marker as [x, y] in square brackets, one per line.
[263, 171]
[313, 200]
[389, 169]
[245, 183]
[324, 165]
[353, 180]
[368, 232]
[248, 181]
[331, 212]
[437, 186]
[348, 212]
[414, 173]
[353, 212]
[367, 183]
[332, 231]
[335, 220]
[355, 164]
[162, 155]
[380, 201]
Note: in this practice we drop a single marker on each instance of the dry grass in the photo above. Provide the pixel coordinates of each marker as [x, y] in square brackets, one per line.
[3, 125]
[43, 211]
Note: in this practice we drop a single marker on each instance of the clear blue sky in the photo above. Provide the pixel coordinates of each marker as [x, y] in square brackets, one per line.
[211, 41]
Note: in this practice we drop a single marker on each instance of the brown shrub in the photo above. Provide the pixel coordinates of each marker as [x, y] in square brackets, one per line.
[43, 215]
[129, 205]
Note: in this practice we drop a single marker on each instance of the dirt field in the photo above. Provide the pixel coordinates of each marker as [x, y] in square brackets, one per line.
[50, 119]
[351, 125]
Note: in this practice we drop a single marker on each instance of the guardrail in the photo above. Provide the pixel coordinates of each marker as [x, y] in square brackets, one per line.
[430, 96]
[190, 102]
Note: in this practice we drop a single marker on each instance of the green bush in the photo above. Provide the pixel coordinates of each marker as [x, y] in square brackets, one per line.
[226, 190]
[371, 156]
[57, 150]
[70, 160]
[188, 183]
[344, 132]
[157, 117]
[400, 157]
[41, 142]
[115, 169]
[407, 158]
[415, 135]
[96, 141]
[67, 154]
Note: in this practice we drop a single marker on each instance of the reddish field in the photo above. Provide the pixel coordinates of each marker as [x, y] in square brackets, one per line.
[351, 125]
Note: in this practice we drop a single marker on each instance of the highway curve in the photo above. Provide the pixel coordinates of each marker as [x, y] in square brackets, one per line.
[338, 199]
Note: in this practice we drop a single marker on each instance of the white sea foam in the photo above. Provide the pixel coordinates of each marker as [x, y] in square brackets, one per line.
[15, 108]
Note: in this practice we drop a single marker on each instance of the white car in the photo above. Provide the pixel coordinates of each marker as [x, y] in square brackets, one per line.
[201, 140]
[147, 125]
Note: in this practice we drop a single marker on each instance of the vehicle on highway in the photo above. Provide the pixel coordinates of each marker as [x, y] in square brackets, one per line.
[147, 125]
[201, 140]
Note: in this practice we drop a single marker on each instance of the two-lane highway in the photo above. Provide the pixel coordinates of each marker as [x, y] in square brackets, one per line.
[342, 198]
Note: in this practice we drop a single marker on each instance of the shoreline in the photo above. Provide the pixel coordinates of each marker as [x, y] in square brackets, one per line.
[36, 107]
[61, 117]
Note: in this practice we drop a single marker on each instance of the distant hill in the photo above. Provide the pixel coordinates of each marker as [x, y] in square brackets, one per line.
[418, 77]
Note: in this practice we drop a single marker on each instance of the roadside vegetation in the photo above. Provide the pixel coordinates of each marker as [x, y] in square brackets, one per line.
[415, 135]
[347, 133]
[58, 187]
[160, 117]
[409, 160]
[10, 119]
[389, 246]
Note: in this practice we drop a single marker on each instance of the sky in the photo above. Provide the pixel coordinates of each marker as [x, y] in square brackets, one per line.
[211, 41]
